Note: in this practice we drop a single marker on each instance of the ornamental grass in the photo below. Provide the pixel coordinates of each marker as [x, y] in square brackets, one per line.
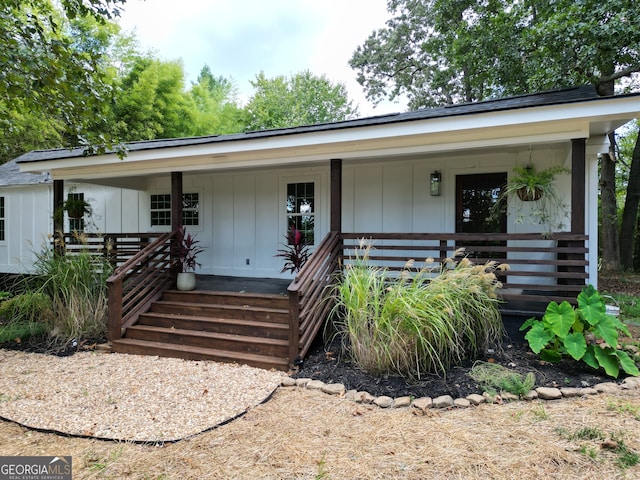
[422, 322]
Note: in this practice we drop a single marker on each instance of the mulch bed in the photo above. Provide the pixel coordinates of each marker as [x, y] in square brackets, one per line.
[328, 363]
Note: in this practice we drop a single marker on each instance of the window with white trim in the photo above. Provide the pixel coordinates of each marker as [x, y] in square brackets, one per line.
[301, 209]
[161, 209]
[76, 224]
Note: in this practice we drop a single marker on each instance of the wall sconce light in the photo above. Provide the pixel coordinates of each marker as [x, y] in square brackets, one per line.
[434, 187]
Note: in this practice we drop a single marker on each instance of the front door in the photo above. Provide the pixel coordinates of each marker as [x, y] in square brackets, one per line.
[478, 211]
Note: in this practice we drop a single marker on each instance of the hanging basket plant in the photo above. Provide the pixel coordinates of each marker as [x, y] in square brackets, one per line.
[529, 195]
[539, 187]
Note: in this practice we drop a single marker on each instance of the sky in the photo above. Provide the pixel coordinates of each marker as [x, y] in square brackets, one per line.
[240, 38]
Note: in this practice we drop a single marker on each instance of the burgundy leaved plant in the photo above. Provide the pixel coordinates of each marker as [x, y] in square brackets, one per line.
[187, 250]
[295, 252]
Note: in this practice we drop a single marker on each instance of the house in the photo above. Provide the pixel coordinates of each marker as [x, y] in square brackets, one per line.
[408, 181]
[26, 214]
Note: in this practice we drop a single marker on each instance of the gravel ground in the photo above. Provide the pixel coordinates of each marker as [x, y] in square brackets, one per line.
[127, 397]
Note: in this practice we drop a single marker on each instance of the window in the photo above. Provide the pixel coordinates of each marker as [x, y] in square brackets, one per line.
[161, 209]
[1, 219]
[76, 219]
[301, 209]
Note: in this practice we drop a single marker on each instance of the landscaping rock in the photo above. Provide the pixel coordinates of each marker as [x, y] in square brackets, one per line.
[351, 395]
[631, 383]
[422, 403]
[549, 393]
[461, 403]
[531, 395]
[444, 401]
[606, 387]
[569, 392]
[589, 391]
[334, 389]
[364, 397]
[490, 398]
[315, 385]
[402, 402]
[302, 382]
[383, 401]
[288, 382]
[476, 399]
[509, 397]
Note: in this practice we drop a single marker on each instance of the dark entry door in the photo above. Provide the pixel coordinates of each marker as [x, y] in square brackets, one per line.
[477, 211]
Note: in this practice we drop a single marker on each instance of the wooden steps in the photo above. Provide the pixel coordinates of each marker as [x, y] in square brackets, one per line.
[251, 329]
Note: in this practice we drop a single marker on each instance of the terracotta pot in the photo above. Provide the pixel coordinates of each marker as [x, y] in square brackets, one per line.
[186, 281]
[528, 196]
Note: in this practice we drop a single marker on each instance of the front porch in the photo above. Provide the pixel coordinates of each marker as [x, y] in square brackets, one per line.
[272, 323]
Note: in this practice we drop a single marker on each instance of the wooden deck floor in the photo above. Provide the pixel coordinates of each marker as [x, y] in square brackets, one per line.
[222, 283]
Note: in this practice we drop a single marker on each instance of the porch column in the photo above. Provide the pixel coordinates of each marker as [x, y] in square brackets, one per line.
[336, 195]
[58, 215]
[578, 177]
[176, 200]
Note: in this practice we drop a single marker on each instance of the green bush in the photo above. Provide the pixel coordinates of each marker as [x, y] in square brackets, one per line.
[585, 333]
[76, 285]
[496, 378]
[23, 316]
[422, 322]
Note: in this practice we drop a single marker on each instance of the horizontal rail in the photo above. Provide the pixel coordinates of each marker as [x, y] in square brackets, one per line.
[541, 266]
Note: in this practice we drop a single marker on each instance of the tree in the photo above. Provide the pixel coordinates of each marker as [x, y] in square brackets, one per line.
[216, 105]
[151, 102]
[444, 51]
[302, 99]
[45, 75]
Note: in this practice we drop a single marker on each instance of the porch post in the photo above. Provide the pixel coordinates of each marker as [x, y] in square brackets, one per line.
[58, 215]
[176, 200]
[336, 195]
[578, 176]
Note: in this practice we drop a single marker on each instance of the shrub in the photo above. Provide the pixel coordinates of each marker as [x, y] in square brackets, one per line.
[24, 315]
[422, 322]
[584, 333]
[76, 285]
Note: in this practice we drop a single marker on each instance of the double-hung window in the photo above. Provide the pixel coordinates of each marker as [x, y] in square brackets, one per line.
[301, 213]
[161, 209]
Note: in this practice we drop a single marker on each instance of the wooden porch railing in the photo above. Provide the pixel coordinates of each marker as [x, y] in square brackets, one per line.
[138, 282]
[309, 302]
[117, 247]
[542, 268]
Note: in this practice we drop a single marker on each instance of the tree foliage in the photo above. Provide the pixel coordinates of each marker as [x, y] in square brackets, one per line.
[302, 99]
[49, 76]
[443, 51]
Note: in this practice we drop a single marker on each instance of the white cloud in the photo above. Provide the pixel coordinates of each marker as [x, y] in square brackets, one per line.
[240, 38]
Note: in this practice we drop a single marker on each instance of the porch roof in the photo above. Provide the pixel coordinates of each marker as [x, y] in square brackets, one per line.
[527, 119]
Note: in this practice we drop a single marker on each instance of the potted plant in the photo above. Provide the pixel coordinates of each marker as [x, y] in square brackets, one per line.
[531, 185]
[187, 250]
[76, 207]
[295, 252]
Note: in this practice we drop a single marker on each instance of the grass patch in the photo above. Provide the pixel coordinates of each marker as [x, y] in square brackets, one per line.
[495, 378]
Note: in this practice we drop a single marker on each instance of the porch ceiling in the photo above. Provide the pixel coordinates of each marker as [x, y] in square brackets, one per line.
[497, 129]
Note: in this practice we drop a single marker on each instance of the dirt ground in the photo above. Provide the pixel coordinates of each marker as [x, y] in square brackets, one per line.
[304, 434]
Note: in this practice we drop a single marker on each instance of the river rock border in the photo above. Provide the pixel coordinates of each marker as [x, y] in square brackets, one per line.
[448, 402]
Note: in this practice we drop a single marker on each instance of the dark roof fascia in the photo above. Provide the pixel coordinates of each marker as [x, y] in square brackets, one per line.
[553, 97]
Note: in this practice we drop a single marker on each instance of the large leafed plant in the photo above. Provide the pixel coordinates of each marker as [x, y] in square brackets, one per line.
[586, 333]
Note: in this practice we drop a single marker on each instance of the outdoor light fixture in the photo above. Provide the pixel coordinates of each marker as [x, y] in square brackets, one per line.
[436, 179]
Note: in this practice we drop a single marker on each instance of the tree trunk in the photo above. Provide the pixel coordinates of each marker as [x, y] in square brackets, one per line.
[630, 213]
[609, 213]
[608, 207]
